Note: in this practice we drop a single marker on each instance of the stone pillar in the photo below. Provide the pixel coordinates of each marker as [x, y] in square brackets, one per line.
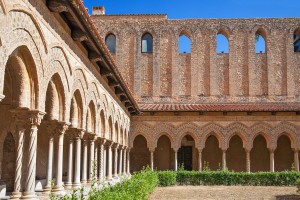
[77, 134]
[84, 162]
[92, 139]
[102, 157]
[20, 131]
[272, 168]
[96, 166]
[115, 170]
[224, 160]
[104, 163]
[296, 160]
[128, 161]
[120, 160]
[152, 159]
[70, 164]
[124, 161]
[248, 162]
[35, 118]
[61, 129]
[175, 160]
[109, 159]
[200, 160]
[50, 163]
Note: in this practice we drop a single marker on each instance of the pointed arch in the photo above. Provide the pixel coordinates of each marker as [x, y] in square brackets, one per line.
[184, 43]
[76, 110]
[147, 43]
[212, 129]
[111, 42]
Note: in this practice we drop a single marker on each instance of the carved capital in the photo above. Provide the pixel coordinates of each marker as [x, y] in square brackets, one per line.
[75, 133]
[115, 145]
[120, 146]
[108, 143]
[61, 128]
[102, 141]
[23, 117]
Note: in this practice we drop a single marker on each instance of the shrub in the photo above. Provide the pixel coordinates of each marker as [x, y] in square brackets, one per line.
[136, 188]
[287, 178]
[166, 178]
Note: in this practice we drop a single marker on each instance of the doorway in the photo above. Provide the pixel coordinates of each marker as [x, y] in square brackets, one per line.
[185, 157]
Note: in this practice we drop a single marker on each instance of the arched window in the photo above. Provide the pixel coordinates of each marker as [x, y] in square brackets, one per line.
[297, 40]
[147, 43]
[110, 42]
[260, 43]
[184, 44]
[222, 44]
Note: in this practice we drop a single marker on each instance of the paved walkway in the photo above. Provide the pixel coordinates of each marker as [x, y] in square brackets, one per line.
[225, 192]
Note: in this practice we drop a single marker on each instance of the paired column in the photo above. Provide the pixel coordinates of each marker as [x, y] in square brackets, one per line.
[152, 159]
[50, 161]
[78, 134]
[272, 168]
[109, 160]
[175, 160]
[92, 139]
[96, 163]
[224, 166]
[102, 160]
[70, 162]
[120, 160]
[84, 162]
[115, 170]
[200, 159]
[296, 160]
[248, 164]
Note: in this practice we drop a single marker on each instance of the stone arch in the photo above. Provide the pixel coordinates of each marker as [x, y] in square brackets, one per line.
[288, 129]
[162, 129]
[91, 118]
[212, 129]
[158, 135]
[55, 105]
[261, 29]
[263, 129]
[237, 129]
[139, 153]
[110, 128]
[76, 110]
[102, 124]
[58, 53]
[185, 129]
[116, 131]
[21, 80]
[224, 31]
[143, 129]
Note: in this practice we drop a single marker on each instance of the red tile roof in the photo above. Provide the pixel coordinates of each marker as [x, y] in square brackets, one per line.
[246, 107]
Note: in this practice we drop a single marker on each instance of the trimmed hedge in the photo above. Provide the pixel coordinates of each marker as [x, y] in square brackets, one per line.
[287, 178]
[166, 178]
[136, 188]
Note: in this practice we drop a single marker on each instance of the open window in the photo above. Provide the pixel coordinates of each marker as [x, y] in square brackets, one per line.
[297, 40]
[147, 43]
[110, 42]
[184, 44]
[222, 43]
[260, 42]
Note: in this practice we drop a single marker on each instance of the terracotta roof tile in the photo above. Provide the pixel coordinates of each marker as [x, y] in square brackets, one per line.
[278, 106]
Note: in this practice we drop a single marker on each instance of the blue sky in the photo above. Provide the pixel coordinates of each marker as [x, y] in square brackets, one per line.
[177, 9]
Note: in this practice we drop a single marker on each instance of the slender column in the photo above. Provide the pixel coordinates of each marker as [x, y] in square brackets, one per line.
[115, 170]
[296, 160]
[124, 161]
[109, 159]
[128, 161]
[224, 160]
[248, 165]
[50, 163]
[78, 135]
[92, 158]
[104, 172]
[35, 120]
[120, 160]
[272, 169]
[200, 160]
[19, 161]
[175, 159]
[70, 164]
[96, 166]
[102, 158]
[152, 159]
[84, 162]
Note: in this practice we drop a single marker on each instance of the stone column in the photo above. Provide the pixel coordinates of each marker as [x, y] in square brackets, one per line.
[109, 159]
[102, 157]
[60, 131]
[128, 161]
[175, 160]
[272, 169]
[70, 163]
[50, 163]
[124, 160]
[35, 118]
[92, 139]
[120, 160]
[104, 163]
[77, 134]
[200, 160]
[96, 166]
[84, 162]
[224, 160]
[248, 163]
[152, 159]
[115, 170]
[296, 160]
[20, 131]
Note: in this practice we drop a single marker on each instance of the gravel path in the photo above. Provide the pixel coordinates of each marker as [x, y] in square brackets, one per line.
[225, 192]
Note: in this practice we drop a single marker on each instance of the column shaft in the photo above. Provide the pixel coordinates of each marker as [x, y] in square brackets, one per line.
[59, 166]
[248, 165]
[128, 161]
[109, 160]
[120, 162]
[115, 175]
[77, 163]
[50, 164]
[91, 160]
[200, 161]
[272, 169]
[96, 166]
[84, 163]
[224, 160]
[70, 164]
[152, 160]
[175, 161]
[296, 160]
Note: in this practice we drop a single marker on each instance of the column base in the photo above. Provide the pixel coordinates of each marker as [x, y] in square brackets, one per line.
[47, 189]
[68, 185]
[29, 195]
[59, 190]
[83, 182]
[76, 185]
[16, 195]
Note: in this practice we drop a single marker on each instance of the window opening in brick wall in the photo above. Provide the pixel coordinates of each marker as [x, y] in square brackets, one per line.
[297, 42]
[184, 44]
[260, 43]
[222, 44]
[110, 42]
[147, 43]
